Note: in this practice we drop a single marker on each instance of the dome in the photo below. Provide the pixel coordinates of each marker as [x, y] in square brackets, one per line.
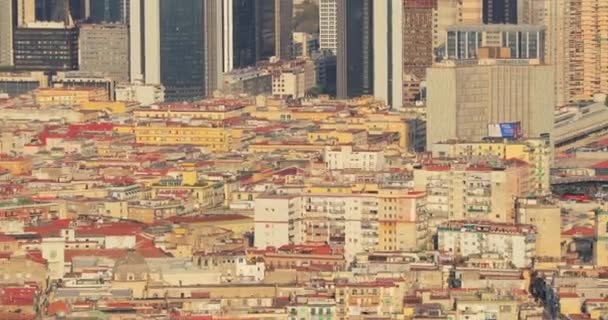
[131, 267]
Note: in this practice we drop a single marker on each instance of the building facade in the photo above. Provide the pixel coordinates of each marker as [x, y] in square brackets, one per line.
[48, 46]
[8, 15]
[523, 41]
[500, 11]
[104, 50]
[355, 67]
[513, 242]
[466, 98]
[328, 25]
[181, 51]
[418, 36]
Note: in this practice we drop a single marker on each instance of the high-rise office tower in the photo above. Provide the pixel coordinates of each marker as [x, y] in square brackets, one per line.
[370, 50]
[355, 66]
[274, 28]
[588, 48]
[49, 46]
[8, 19]
[255, 30]
[418, 36]
[328, 25]
[239, 18]
[104, 50]
[388, 52]
[500, 11]
[177, 46]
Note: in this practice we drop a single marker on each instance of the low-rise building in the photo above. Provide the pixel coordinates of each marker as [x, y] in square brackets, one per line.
[513, 242]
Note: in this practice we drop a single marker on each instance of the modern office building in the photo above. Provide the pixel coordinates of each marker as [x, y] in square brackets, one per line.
[466, 98]
[182, 51]
[108, 11]
[8, 19]
[274, 26]
[255, 30]
[48, 46]
[355, 66]
[239, 18]
[418, 36]
[500, 11]
[370, 50]
[53, 10]
[388, 52]
[523, 41]
[104, 50]
[450, 12]
[328, 25]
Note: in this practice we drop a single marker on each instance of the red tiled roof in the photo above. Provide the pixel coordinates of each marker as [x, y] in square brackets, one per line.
[601, 165]
[579, 231]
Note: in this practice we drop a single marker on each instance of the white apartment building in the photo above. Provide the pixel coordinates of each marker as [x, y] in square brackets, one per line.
[340, 219]
[274, 216]
[345, 157]
[513, 242]
[328, 25]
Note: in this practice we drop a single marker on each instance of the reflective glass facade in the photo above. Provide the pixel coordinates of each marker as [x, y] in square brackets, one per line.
[181, 49]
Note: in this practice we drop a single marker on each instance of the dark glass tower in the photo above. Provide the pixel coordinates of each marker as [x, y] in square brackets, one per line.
[355, 66]
[181, 49]
[244, 33]
[108, 11]
[500, 11]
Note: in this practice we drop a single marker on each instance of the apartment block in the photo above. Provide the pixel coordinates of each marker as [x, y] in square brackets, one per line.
[513, 242]
[471, 192]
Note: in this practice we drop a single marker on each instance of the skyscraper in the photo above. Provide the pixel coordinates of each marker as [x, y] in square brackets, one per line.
[355, 66]
[104, 50]
[328, 25]
[500, 11]
[273, 28]
[49, 46]
[388, 52]
[370, 52]
[418, 36]
[239, 18]
[8, 19]
[179, 51]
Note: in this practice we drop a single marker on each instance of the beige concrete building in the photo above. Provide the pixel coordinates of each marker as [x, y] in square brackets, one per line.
[104, 50]
[6, 33]
[293, 78]
[553, 15]
[461, 192]
[451, 12]
[547, 220]
[588, 47]
[466, 98]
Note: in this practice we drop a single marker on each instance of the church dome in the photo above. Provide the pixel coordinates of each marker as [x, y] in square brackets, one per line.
[131, 267]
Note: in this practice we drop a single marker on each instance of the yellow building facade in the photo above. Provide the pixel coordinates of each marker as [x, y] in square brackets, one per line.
[215, 139]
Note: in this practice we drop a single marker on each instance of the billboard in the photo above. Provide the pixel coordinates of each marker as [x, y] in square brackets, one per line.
[504, 130]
